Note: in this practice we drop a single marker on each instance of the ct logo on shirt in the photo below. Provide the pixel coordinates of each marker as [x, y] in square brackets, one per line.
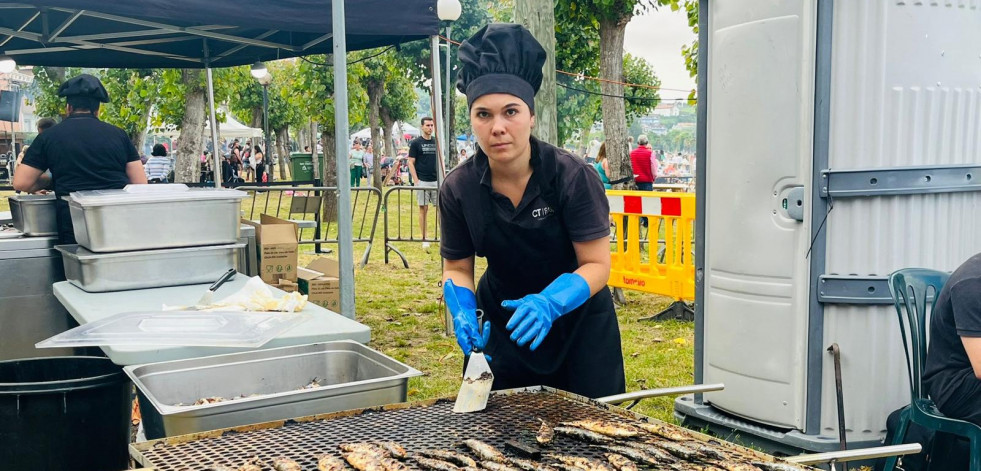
[541, 213]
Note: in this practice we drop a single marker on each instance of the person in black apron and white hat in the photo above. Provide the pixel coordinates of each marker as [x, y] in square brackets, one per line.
[540, 217]
[82, 152]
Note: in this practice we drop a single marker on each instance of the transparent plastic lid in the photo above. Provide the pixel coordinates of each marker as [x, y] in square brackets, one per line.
[158, 193]
[180, 328]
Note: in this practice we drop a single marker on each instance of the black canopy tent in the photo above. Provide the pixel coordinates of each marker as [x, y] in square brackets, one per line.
[219, 33]
[172, 33]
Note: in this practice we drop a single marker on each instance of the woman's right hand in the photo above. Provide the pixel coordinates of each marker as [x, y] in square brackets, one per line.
[462, 304]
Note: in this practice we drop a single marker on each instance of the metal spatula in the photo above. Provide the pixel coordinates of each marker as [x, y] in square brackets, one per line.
[477, 379]
[209, 296]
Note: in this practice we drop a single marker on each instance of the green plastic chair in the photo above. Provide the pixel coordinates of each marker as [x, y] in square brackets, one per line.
[910, 288]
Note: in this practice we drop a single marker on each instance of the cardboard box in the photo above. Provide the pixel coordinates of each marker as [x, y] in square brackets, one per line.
[276, 243]
[286, 285]
[321, 283]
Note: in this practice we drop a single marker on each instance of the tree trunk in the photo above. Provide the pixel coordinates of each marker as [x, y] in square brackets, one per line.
[584, 142]
[256, 121]
[140, 136]
[387, 124]
[376, 90]
[317, 171]
[539, 17]
[188, 166]
[282, 150]
[614, 112]
[329, 171]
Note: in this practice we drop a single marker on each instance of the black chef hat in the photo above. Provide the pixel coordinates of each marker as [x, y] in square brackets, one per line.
[501, 58]
[86, 86]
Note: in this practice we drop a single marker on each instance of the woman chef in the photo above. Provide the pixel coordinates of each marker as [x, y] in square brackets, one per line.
[82, 152]
[540, 217]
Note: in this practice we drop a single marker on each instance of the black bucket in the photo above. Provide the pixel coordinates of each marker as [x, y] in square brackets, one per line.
[62, 413]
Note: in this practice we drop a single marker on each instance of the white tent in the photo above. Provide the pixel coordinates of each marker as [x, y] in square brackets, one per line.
[229, 129]
[406, 129]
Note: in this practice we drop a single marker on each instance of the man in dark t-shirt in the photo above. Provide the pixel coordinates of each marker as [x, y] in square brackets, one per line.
[953, 363]
[422, 167]
[82, 152]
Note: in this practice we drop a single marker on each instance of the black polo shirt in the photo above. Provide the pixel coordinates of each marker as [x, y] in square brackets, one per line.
[577, 191]
[83, 153]
[948, 376]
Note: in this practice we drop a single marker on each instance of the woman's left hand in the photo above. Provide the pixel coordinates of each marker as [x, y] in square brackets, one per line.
[535, 313]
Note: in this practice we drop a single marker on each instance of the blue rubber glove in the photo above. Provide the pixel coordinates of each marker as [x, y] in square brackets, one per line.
[534, 314]
[462, 304]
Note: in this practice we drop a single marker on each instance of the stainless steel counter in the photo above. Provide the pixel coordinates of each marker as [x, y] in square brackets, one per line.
[29, 312]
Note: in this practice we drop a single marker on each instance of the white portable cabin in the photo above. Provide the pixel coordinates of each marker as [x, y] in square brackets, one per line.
[838, 141]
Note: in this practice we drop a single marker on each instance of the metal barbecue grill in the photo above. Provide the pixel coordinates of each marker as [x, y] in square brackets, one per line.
[510, 415]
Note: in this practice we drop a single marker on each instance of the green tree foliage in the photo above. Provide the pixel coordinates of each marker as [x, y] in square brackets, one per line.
[46, 101]
[314, 87]
[171, 103]
[690, 51]
[640, 99]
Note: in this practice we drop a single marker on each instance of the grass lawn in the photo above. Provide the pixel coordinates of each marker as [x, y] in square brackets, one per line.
[402, 308]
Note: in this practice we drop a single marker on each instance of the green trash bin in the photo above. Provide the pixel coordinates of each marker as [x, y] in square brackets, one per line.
[301, 166]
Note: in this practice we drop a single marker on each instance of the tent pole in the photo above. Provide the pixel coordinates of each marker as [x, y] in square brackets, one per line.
[437, 92]
[345, 245]
[215, 152]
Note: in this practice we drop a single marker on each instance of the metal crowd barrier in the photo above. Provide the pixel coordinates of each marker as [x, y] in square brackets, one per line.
[397, 229]
[314, 210]
[669, 271]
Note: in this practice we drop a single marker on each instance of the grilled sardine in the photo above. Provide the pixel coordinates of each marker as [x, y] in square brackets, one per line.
[392, 464]
[435, 464]
[635, 454]
[652, 450]
[605, 427]
[218, 467]
[364, 461]
[250, 467]
[393, 449]
[485, 451]
[285, 464]
[329, 463]
[707, 452]
[776, 466]
[735, 466]
[545, 434]
[366, 448]
[663, 431]
[453, 457]
[583, 435]
[621, 462]
[587, 464]
[528, 465]
[497, 466]
[680, 451]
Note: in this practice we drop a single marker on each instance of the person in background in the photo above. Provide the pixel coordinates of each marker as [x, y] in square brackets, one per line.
[602, 167]
[158, 165]
[43, 124]
[643, 164]
[83, 153]
[248, 171]
[423, 170]
[540, 217]
[952, 374]
[369, 162]
[355, 161]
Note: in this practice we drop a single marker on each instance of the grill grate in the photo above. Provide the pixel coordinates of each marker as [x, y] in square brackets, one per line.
[509, 416]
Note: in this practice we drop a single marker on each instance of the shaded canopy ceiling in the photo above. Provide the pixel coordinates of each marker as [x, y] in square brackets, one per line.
[196, 33]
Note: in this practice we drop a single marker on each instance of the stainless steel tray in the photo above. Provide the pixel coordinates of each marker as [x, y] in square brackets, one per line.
[351, 376]
[119, 271]
[156, 225]
[34, 215]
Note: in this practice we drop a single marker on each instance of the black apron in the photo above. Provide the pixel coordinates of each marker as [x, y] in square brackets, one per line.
[63, 216]
[581, 353]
